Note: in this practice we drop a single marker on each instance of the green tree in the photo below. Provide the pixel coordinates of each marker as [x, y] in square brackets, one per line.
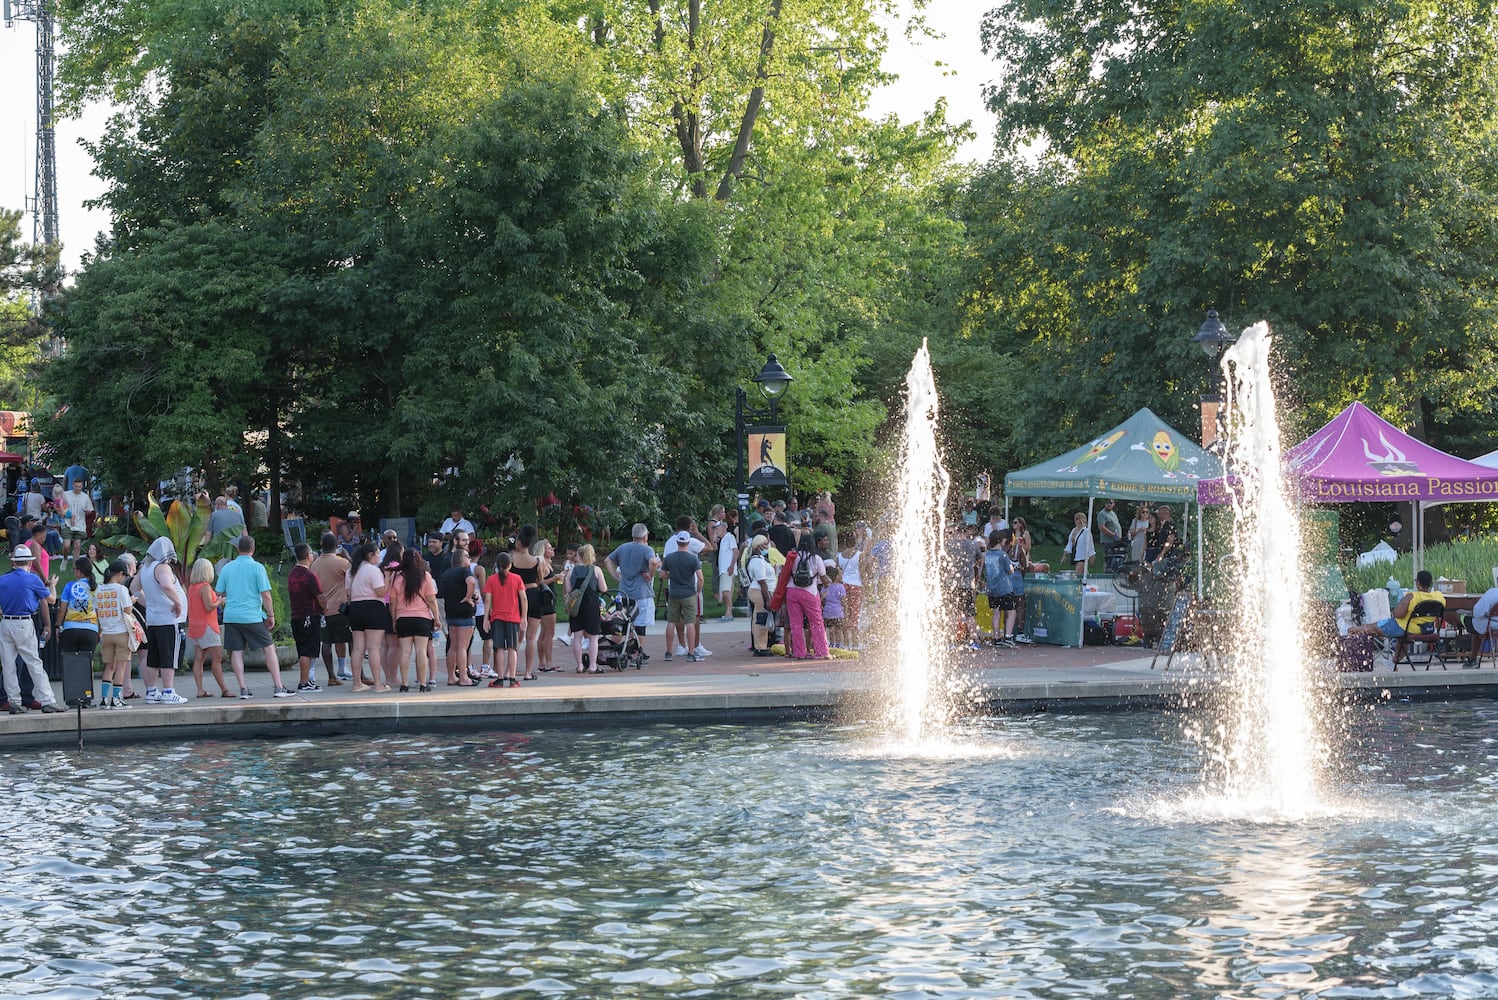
[166, 353]
[27, 272]
[1323, 166]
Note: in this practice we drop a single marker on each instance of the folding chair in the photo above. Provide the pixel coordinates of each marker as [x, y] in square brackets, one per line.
[294, 533]
[1487, 649]
[1415, 636]
[404, 528]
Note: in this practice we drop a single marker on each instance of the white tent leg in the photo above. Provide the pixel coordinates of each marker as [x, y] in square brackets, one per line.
[1199, 587]
[1081, 613]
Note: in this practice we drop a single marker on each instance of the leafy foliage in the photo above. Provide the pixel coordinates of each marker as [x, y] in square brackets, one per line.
[1325, 167]
[185, 525]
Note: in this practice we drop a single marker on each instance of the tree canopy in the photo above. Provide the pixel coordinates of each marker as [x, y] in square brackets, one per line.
[478, 259]
[1325, 166]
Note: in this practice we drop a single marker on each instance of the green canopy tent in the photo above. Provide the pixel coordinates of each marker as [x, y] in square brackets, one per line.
[1143, 458]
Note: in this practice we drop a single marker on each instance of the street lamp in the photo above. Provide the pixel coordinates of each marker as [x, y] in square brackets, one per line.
[1213, 338]
[773, 380]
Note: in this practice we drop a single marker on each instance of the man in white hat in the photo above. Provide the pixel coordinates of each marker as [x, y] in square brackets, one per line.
[22, 592]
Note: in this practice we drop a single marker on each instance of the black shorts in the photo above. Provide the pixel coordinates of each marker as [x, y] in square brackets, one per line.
[481, 626]
[1008, 602]
[164, 647]
[368, 616]
[308, 635]
[413, 627]
[506, 635]
[335, 629]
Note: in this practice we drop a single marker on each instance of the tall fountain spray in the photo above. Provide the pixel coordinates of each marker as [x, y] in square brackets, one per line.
[919, 671]
[1268, 749]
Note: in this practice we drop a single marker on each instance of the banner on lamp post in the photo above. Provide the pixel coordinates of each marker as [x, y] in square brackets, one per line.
[766, 462]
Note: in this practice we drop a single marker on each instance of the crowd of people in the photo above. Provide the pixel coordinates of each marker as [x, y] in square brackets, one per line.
[372, 610]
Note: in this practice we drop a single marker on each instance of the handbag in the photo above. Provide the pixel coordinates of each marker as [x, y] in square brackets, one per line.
[575, 596]
[135, 636]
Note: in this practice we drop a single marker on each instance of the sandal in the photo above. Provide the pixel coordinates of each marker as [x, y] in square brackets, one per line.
[529, 677]
[228, 694]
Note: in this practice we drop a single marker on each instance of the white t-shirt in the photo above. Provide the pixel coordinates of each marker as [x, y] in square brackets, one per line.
[79, 505]
[727, 551]
[852, 575]
[449, 526]
[112, 604]
[760, 570]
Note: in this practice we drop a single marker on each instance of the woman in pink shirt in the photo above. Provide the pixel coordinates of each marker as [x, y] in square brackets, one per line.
[413, 605]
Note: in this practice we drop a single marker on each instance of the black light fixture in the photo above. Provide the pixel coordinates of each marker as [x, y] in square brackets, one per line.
[772, 378]
[1213, 337]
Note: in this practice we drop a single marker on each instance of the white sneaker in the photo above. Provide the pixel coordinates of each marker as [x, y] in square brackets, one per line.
[172, 698]
[681, 651]
[117, 703]
[153, 696]
[702, 652]
[487, 671]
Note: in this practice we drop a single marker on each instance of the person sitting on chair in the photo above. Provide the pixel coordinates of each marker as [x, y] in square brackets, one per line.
[1479, 622]
[1400, 622]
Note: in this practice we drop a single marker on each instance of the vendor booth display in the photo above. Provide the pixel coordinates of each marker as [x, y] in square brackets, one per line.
[1359, 457]
[1143, 458]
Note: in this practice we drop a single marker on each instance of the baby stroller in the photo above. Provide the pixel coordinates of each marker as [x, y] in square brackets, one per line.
[619, 645]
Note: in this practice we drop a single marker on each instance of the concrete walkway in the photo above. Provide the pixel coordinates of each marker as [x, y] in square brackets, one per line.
[731, 684]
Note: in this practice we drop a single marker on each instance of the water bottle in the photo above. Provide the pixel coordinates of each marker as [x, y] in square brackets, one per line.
[1394, 591]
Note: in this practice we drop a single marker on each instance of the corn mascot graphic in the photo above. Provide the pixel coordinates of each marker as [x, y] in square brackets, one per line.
[1163, 451]
[1095, 451]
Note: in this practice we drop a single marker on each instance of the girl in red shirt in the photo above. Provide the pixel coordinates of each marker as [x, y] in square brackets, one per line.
[504, 599]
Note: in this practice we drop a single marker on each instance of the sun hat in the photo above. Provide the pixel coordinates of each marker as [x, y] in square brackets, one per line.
[21, 554]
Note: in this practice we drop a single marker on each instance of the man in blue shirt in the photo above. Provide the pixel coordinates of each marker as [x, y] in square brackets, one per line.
[1479, 624]
[634, 564]
[249, 615]
[22, 592]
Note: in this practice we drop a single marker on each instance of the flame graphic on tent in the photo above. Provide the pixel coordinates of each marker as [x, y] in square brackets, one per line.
[1392, 462]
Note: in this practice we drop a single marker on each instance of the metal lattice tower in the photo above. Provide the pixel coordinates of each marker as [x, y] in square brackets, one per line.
[44, 202]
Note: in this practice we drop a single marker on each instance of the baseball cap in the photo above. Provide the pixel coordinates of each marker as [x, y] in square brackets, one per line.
[21, 554]
[353, 515]
[682, 538]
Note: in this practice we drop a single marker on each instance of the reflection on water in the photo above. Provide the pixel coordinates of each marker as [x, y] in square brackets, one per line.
[1026, 861]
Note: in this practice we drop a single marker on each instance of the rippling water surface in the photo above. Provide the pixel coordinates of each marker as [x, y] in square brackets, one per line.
[1048, 856]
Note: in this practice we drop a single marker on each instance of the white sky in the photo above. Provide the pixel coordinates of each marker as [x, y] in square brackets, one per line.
[962, 72]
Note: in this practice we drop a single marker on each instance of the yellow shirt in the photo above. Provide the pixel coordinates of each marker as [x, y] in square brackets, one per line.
[1416, 598]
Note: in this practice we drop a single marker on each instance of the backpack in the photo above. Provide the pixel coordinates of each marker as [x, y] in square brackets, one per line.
[744, 581]
[575, 596]
[802, 576]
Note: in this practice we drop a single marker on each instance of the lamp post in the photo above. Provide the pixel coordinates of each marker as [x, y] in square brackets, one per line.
[1213, 338]
[773, 380]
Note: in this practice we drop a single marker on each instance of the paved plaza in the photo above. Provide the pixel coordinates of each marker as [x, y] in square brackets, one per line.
[729, 685]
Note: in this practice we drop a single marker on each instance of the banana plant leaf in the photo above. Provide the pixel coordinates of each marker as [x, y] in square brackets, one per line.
[182, 523]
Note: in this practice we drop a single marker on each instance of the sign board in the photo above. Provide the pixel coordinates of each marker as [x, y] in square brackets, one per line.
[766, 462]
[1172, 631]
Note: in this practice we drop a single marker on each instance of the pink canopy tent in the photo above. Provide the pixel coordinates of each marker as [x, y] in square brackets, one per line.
[1359, 457]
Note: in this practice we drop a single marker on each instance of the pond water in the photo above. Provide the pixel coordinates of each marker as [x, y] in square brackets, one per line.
[1047, 856]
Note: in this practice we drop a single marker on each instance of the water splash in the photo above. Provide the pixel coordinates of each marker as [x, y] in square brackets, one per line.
[1267, 752]
[920, 671]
